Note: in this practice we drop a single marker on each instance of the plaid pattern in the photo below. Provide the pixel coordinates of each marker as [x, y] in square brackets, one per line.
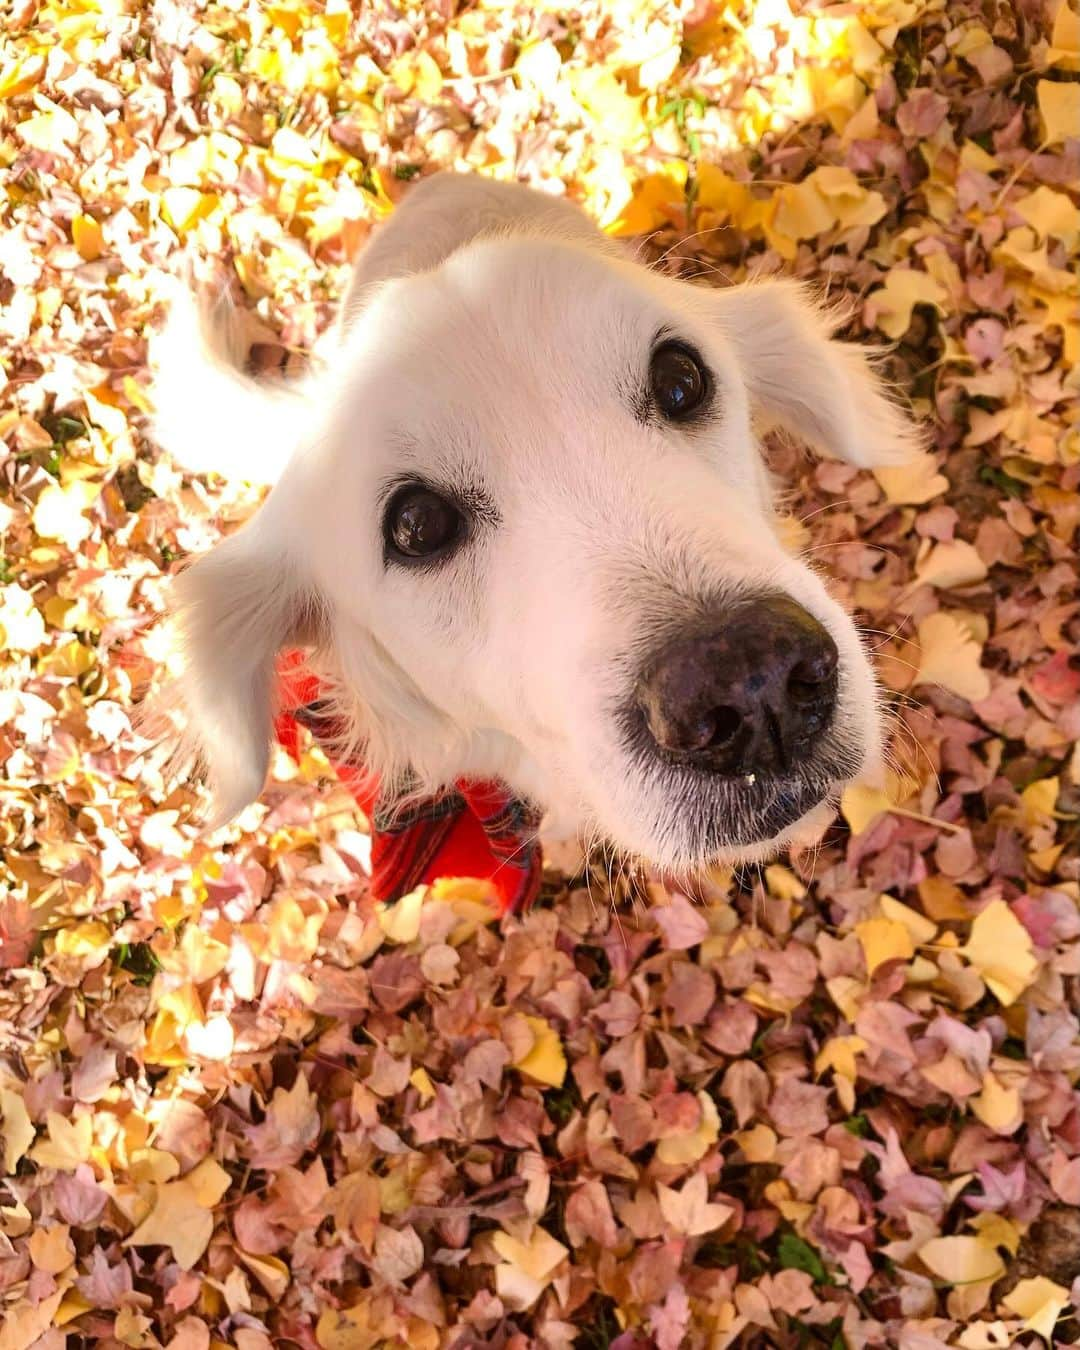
[475, 829]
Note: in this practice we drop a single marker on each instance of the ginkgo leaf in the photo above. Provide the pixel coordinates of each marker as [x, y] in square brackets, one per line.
[884, 940]
[921, 928]
[182, 1217]
[998, 1106]
[16, 1128]
[1000, 949]
[545, 1059]
[1059, 106]
[951, 564]
[950, 656]
[1040, 1302]
[87, 237]
[400, 921]
[962, 1259]
[913, 483]
[904, 288]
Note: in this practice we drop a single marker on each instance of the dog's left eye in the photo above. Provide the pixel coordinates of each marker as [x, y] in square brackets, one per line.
[678, 380]
[420, 523]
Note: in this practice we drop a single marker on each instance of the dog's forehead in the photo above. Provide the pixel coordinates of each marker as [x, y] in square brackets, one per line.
[524, 305]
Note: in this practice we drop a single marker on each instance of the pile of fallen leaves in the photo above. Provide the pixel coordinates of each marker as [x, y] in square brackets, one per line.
[833, 1103]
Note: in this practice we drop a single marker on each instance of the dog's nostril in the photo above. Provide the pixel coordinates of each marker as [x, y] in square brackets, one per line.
[810, 678]
[726, 723]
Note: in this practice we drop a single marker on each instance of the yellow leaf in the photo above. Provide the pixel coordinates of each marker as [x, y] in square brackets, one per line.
[962, 1259]
[182, 1217]
[1000, 949]
[839, 1053]
[87, 237]
[348, 1328]
[950, 564]
[922, 930]
[421, 1081]
[271, 1272]
[912, 483]
[84, 939]
[998, 1107]
[292, 148]
[401, 920]
[802, 212]
[861, 804]
[68, 1143]
[884, 940]
[537, 1257]
[51, 1249]
[539, 64]
[16, 1128]
[617, 114]
[1064, 48]
[904, 289]
[951, 657]
[1051, 214]
[545, 1059]
[184, 207]
[60, 512]
[1038, 799]
[19, 77]
[1040, 1301]
[50, 130]
[692, 1146]
[758, 1144]
[783, 883]
[1059, 105]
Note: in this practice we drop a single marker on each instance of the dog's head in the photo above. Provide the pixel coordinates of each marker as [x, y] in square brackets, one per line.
[530, 533]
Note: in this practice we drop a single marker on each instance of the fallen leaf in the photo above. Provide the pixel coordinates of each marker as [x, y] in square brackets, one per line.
[950, 657]
[545, 1059]
[1000, 949]
[1040, 1302]
[182, 1217]
[961, 1259]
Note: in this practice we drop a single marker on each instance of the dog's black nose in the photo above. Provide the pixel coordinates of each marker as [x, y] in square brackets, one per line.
[749, 696]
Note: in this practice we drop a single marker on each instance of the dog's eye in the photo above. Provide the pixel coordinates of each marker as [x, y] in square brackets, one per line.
[678, 380]
[420, 523]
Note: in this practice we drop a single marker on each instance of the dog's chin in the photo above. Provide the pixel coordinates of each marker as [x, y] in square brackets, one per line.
[735, 822]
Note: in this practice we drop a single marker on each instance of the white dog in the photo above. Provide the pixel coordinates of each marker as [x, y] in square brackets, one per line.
[522, 520]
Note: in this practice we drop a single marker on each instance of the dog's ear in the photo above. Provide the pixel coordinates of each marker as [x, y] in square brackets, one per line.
[825, 392]
[234, 610]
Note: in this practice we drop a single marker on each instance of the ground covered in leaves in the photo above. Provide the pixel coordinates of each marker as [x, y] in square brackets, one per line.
[830, 1104]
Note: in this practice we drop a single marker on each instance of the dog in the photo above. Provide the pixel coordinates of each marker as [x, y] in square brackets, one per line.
[521, 519]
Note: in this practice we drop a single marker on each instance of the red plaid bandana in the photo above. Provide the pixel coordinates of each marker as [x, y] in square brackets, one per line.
[475, 829]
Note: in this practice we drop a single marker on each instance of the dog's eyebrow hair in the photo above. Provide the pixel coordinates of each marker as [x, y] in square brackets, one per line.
[473, 498]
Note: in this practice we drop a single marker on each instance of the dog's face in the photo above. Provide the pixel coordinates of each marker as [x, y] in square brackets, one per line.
[531, 530]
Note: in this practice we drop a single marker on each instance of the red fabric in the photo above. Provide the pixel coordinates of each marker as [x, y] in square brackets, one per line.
[479, 830]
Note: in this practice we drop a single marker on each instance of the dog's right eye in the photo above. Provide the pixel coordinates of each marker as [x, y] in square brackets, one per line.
[421, 524]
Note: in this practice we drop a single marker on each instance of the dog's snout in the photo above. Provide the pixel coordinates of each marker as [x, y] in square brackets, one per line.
[751, 695]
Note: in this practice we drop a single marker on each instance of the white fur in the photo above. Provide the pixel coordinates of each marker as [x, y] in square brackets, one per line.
[492, 337]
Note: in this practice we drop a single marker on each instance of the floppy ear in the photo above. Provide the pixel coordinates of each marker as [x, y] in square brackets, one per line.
[235, 609]
[800, 378]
